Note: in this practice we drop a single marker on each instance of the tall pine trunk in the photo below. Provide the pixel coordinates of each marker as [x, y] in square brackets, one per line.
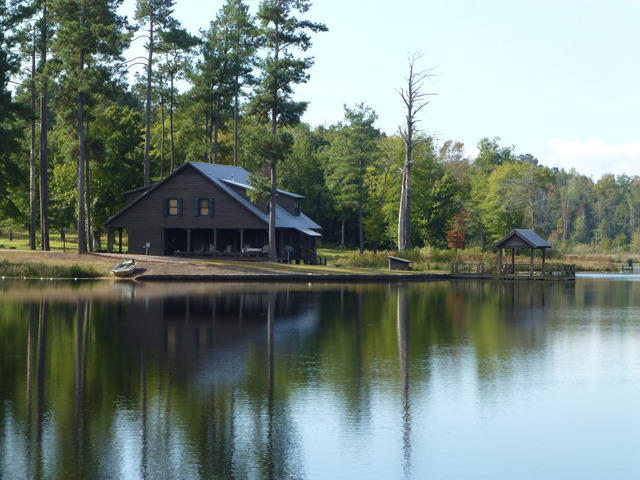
[147, 135]
[162, 138]
[216, 127]
[273, 255]
[171, 123]
[82, 238]
[207, 159]
[88, 195]
[32, 151]
[235, 125]
[44, 141]
[360, 208]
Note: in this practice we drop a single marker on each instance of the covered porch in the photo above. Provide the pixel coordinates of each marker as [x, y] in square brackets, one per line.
[292, 245]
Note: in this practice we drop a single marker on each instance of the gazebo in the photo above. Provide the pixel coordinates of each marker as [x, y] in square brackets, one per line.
[521, 238]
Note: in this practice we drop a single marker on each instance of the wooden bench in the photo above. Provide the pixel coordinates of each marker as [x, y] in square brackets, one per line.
[396, 263]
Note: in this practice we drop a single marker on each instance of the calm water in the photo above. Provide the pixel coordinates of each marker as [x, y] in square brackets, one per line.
[440, 380]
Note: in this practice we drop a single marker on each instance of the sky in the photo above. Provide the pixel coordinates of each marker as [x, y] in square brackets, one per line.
[557, 79]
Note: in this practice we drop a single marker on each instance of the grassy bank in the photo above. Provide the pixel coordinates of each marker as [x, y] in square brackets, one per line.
[436, 260]
[13, 269]
[20, 241]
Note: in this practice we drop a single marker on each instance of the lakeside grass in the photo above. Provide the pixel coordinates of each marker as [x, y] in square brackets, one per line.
[20, 241]
[349, 261]
[437, 260]
[12, 269]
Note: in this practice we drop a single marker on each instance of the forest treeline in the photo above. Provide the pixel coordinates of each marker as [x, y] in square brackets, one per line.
[74, 134]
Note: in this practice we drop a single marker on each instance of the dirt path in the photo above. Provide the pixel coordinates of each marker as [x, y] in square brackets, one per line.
[147, 264]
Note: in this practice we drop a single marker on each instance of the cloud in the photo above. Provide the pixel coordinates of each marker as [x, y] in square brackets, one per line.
[594, 157]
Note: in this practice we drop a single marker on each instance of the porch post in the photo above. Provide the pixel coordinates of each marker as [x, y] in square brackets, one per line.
[215, 240]
[500, 272]
[242, 239]
[544, 254]
[120, 240]
[188, 239]
[513, 261]
[109, 240]
[531, 264]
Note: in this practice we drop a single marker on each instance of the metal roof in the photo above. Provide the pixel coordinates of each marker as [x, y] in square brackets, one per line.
[224, 176]
[529, 237]
[138, 189]
[249, 187]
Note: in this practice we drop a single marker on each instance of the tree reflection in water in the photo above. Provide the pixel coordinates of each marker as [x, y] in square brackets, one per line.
[260, 382]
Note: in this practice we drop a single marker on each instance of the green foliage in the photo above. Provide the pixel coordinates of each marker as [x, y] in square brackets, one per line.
[352, 148]
[44, 270]
[283, 33]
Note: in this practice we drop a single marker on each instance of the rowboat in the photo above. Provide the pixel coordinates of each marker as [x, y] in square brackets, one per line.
[124, 269]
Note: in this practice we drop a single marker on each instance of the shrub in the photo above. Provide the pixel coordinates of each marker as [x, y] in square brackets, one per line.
[31, 270]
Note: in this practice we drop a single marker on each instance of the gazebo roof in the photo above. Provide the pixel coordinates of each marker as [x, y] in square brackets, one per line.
[522, 238]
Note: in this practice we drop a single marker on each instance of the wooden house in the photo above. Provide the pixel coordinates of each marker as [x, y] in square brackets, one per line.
[203, 209]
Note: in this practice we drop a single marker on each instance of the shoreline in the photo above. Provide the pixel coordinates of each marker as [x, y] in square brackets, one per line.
[172, 269]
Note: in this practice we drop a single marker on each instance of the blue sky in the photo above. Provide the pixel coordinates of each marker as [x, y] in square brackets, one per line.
[557, 79]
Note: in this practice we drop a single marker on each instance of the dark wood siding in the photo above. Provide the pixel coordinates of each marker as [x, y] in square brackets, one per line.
[145, 221]
[130, 197]
[287, 203]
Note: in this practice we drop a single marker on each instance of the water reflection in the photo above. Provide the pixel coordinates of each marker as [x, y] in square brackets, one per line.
[294, 381]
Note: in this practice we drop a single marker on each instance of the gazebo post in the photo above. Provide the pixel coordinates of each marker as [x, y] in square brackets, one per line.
[513, 261]
[500, 272]
[544, 254]
[531, 264]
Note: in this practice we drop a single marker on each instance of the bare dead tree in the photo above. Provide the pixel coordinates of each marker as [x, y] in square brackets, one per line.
[415, 100]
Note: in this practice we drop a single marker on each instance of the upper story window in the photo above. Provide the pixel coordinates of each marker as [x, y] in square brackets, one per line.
[203, 207]
[172, 207]
[296, 207]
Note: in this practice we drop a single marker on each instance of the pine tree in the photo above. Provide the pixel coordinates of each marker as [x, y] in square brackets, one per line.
[282, 32]
[89, 32]
[244, 41]
[176, 44]
[157, 15]
[353, 148]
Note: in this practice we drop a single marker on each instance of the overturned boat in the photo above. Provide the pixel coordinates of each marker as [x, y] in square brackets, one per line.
[124, 269]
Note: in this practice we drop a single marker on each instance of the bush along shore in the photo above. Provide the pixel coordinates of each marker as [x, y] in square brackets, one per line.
[10, 269]
[435, 259]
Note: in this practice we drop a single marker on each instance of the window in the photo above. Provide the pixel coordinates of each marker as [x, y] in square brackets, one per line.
[173, 206]
[296, 207]
[204, 207]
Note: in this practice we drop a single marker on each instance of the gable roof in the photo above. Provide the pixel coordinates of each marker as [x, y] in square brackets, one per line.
[138, 189]
[224, 176]
[531, 238]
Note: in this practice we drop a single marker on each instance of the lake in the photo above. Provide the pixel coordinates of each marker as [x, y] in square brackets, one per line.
[438, 380]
